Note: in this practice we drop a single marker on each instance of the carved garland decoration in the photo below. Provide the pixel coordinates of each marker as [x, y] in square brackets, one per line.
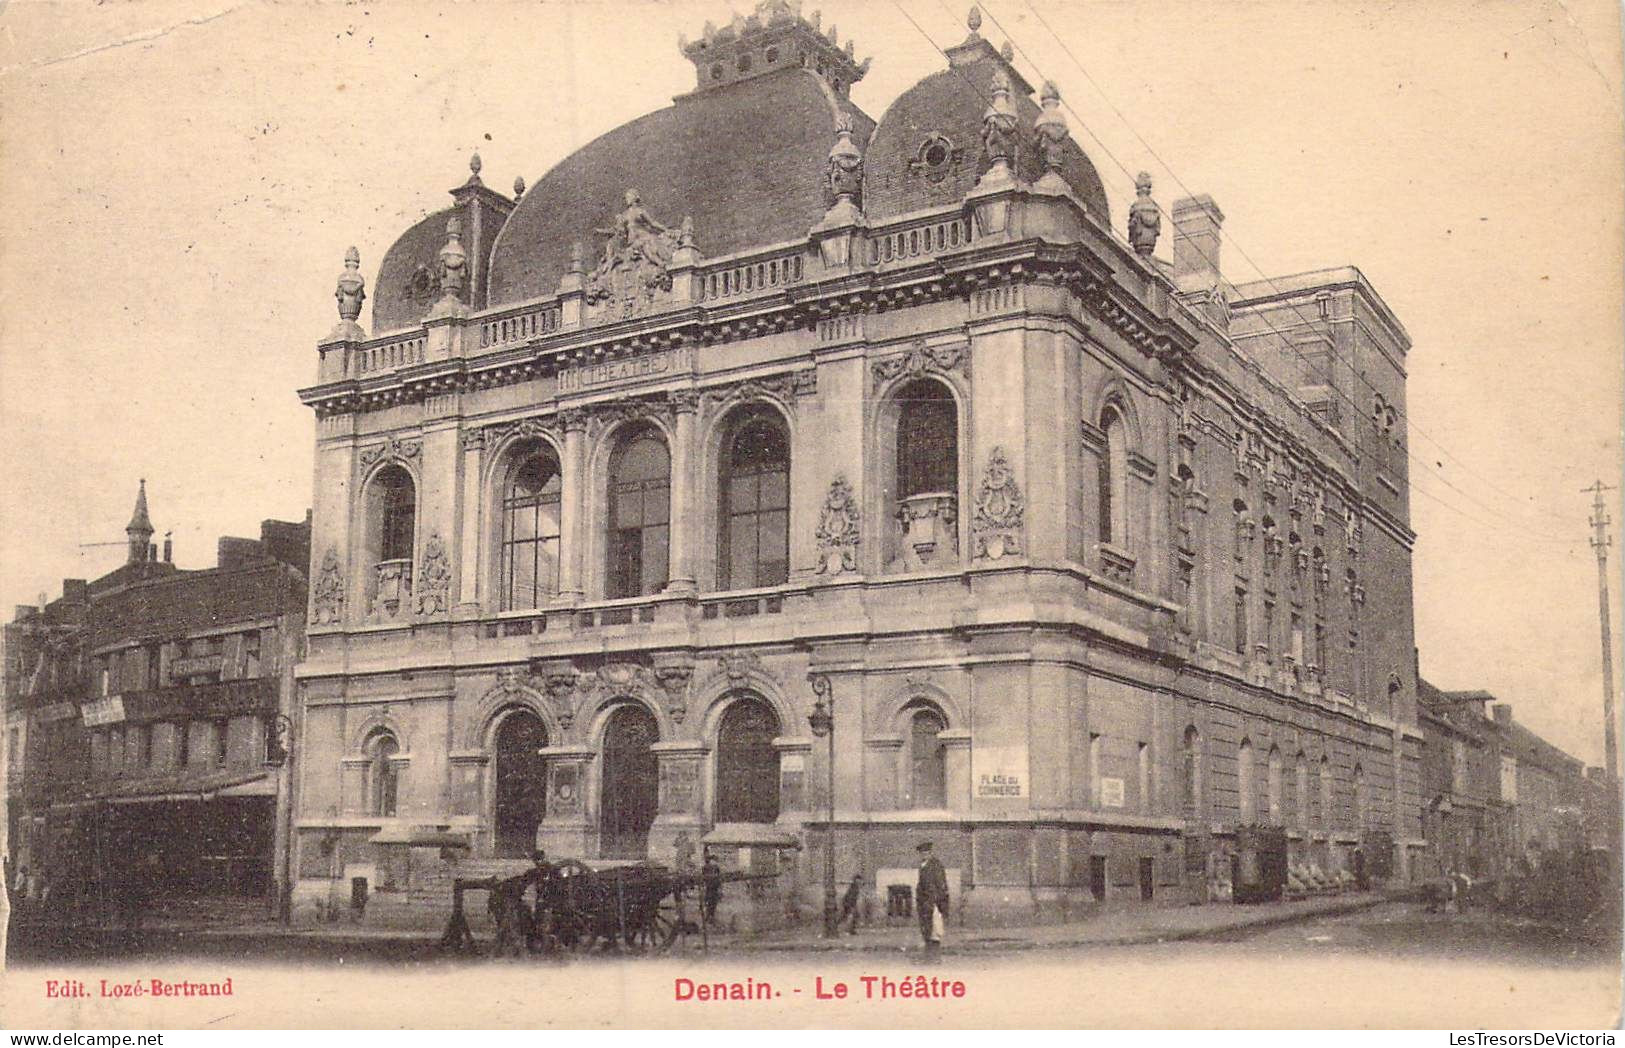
[838, 535]
[922, 357]
[784, 388]
[434, 578]
[327, 604]
[1000, 510]
[398, 449]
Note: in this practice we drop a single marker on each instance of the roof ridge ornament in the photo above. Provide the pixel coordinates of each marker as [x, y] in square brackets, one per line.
[999, 131]
[518, 186]
[1051, 131]
[843, 174]
[474, 165]
[351, 290]
[1144, 217]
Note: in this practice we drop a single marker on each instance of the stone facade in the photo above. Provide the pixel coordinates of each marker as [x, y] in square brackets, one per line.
[1093, 578]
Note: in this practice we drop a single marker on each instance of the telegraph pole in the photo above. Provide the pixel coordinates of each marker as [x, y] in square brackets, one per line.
[1600, 542]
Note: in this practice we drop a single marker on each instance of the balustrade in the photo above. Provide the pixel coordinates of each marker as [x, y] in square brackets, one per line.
[921, 240]
[518, 327]
[731, 280]
[393, 354]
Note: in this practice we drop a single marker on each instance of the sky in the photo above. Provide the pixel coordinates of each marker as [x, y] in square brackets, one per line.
[181, 179]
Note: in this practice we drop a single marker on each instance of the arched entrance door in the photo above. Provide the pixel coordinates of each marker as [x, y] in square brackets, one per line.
[747, 763]
[521, 782]
[631, 786]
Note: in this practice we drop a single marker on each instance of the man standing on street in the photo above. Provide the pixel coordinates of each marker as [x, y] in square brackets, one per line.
[931, 897]
[849, 904]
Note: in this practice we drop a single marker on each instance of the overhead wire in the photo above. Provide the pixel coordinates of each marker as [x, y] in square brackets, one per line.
[1283, 340]
[1411, 426]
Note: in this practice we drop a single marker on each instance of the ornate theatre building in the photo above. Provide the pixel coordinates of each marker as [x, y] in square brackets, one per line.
[1103, 557]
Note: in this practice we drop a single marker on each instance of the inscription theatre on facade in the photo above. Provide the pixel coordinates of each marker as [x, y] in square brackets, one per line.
[1104, 555]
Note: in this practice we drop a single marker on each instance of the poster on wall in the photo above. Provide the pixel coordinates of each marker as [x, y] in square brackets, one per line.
[999, 772]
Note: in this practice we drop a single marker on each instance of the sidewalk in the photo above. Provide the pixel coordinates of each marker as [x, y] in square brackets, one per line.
[1125, 927]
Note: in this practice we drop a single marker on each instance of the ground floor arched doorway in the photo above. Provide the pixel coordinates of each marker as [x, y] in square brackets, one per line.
[747, 762]
[521, 782]
[630, 792]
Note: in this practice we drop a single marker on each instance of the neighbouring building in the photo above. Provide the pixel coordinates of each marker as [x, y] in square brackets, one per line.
[1101, 555]
[147, 716]
[1496, 796]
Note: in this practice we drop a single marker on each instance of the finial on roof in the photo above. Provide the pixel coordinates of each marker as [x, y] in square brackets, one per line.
[518, 186]
[833, 36]
[1144, 217]
[999, 124]
[817, 19]
[843, 173]
[351, 290]
[1008, 52]
[453, 261]
[474, 165]
[974, 19]
[576, 263]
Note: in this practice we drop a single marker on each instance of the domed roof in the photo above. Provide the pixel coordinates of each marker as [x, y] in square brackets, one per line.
[927, 150]
[744, 159]
[409, 277]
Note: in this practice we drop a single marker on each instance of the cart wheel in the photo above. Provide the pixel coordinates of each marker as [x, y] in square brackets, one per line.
[663, 927]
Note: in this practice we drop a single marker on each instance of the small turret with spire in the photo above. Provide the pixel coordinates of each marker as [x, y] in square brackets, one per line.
[139, 530]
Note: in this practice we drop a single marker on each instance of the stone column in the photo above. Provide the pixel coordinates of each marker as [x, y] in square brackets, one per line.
[684, 523]
[572, 508]
[468, 559]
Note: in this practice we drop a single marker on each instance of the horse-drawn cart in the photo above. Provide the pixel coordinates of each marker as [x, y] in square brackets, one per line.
[637, 907]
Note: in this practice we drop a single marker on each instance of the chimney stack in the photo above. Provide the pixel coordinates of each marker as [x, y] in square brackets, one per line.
[169, 547]
[1503, 714]
[1197, 222]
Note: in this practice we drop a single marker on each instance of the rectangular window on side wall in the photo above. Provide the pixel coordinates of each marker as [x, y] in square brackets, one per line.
[222, 740]
[1241, 621]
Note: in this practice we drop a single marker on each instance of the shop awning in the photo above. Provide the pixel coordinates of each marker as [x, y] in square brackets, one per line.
[176, 786]
[420, 837]
[752, 835]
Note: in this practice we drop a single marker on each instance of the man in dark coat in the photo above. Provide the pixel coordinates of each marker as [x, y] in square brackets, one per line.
[930, 895]
[850, 903]
[711, 877]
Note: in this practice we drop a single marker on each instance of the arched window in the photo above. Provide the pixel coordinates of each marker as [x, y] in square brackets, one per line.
[1113, 484]
[1300, 792]
[388, 535]
[754, 546]
[1191, 779]
[521, 782]
[630, 793]
[1246, 786]
[927, 759]
[1325, 792]
[927, 440]
[396, 502]
[639, 516]
[747, 763]
[383, 777]
[530, 530]
[1274, 786]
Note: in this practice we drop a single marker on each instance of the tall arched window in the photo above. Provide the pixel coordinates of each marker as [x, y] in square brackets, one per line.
[383, 777]
[521, 782]
[747, 763]
[1246, 785]
[754, 540]
[928, 759]
[530, 530]
[927, 440]
[396, 501]
[1274, 786]
[1326, 817]
[1191, 779]
[1113, 484]
[1300, 792]
[639, 516]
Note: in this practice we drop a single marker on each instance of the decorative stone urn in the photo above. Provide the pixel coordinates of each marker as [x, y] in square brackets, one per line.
[930, 534]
